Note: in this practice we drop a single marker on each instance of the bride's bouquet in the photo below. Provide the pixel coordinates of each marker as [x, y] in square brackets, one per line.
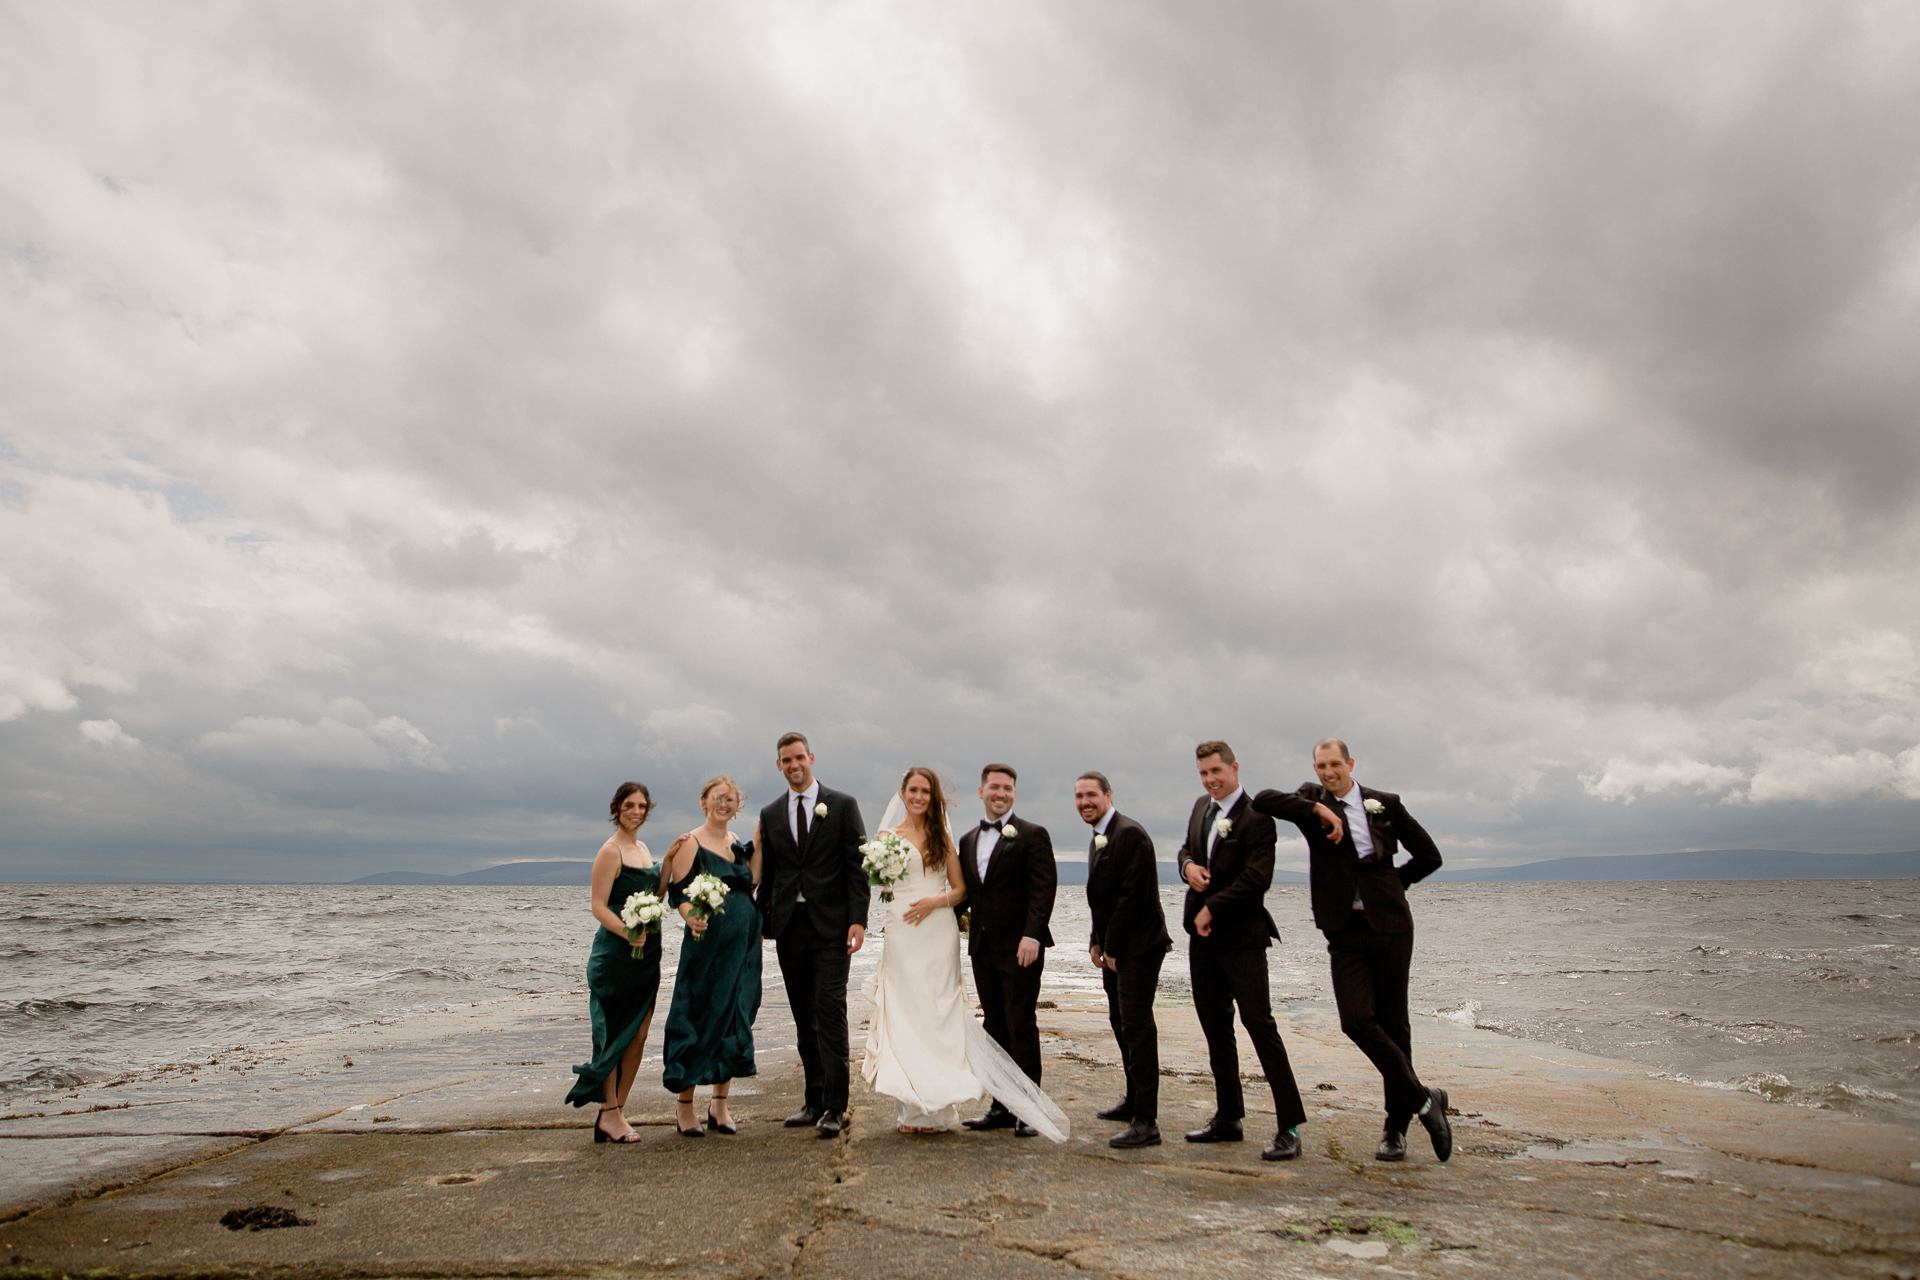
[642, 915]
[885, 859]
[706, 894]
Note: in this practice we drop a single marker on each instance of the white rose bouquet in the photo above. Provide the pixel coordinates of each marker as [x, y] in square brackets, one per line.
[706, 896]
[885, 859]
[642, 915]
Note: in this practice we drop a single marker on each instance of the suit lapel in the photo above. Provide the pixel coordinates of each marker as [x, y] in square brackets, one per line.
[1197, 831]
[1373, 827]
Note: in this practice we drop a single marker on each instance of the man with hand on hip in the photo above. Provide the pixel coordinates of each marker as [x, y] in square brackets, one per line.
[1360, 904]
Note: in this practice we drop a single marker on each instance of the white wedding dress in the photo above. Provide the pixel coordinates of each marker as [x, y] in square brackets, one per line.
[925, 1050]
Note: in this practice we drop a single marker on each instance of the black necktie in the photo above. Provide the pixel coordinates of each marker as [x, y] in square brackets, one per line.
[800, 820]
[1206, 853]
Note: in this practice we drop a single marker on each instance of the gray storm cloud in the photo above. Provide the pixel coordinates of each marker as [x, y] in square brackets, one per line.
[414, 421]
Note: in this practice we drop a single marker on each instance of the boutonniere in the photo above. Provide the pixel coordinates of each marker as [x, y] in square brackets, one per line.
[1374, 806]
[1222, 827]
[820, 810]
[1099, 842]
[1009, 831]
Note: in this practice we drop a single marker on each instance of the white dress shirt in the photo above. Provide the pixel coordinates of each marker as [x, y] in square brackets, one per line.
[1358, 831]
[1226, 807]
[796, 800]
[1106, 820]
[985, 843]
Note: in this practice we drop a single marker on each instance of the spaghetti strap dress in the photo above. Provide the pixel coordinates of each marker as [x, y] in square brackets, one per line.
[716, 993]
[620, 988]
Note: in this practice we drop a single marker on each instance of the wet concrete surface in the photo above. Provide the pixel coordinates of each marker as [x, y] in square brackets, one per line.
[444, 1150]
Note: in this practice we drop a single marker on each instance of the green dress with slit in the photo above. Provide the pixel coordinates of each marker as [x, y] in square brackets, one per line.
[620, 988]
[716, 993]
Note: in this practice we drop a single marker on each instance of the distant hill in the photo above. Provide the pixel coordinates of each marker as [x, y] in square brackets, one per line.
[572, 872]
[1710, 864]
[1705, 864]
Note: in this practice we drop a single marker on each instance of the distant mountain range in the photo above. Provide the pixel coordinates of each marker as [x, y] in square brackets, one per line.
[1707, 864]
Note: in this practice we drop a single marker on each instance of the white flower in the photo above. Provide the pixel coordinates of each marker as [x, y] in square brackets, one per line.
[1099, 842]
[1374, 806]
[820, 810]
[1222, 827]
[1009, 831]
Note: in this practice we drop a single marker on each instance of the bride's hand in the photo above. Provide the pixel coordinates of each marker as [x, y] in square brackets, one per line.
[919, 909]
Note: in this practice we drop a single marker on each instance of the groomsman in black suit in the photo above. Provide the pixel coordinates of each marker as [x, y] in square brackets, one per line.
[1128, 945]
[1360, 903]
[1227, 862]
[813, 898]
[1007, 863]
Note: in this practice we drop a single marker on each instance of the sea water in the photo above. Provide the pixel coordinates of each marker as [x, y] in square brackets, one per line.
[1805, 992]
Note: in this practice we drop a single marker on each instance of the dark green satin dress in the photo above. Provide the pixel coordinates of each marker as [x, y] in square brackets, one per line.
[716, 994]
[620, 989]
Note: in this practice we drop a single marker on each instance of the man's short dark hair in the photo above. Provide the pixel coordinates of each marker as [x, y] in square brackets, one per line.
[1094, 775]
[1324, 743]
[998, 768]
[1215, 748]
[788, 739]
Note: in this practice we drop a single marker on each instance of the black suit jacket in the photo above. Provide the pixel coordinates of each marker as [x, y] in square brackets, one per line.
[1337, 873]
[1241, 867]
[1015, 901]
[1123, 893]
[827, 871]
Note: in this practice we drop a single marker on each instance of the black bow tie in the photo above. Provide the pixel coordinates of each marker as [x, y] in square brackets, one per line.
[988, 824]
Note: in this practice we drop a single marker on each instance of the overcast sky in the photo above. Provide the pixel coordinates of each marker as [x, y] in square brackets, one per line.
[416, 419]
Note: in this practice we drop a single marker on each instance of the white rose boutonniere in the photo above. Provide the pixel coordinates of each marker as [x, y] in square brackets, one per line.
[1009, 831]
[1374, 806]
[1099, 842]
[1222, 827]
[820, 810]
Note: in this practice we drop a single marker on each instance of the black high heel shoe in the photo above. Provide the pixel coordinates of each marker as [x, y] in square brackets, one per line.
[695, 1132]
[717, 1127]
[601, 1135]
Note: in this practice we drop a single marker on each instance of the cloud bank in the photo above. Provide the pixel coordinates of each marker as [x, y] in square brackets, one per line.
[414, 422]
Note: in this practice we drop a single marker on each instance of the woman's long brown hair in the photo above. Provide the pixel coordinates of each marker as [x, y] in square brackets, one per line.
[939, 843]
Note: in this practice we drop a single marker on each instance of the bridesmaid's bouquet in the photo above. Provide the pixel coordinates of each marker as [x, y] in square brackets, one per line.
[885, 859]
[706, 894]
[642, 914]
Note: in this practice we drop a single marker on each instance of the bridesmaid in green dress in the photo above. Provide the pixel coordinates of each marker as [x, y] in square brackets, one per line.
[620, 988]
[716, 994]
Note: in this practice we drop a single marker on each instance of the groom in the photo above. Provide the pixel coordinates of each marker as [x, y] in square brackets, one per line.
[813, 901]
[1007, 863]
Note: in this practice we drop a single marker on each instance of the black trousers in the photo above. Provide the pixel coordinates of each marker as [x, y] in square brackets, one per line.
[1370, 987]
[1008, 997]
[1130, 1013]
[1222, 978]
[814, 968]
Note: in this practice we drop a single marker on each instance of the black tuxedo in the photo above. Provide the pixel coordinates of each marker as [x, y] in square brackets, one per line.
[1013, 901]
[810, 937]
[1229, 966]
[1123, 896]
[1371, 950]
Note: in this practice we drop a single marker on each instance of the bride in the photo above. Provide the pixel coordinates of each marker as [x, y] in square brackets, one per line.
[924, 1049]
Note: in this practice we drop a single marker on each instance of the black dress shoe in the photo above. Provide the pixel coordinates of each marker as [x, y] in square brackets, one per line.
[1025, 1130]
[1285, 1146]
[995, 1118]
[1218, 1130]
[804, 1118]
[1122, 1110]
[1393, 1146]
[828, 1125]
[1141, 1133]
[1439, 1128]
